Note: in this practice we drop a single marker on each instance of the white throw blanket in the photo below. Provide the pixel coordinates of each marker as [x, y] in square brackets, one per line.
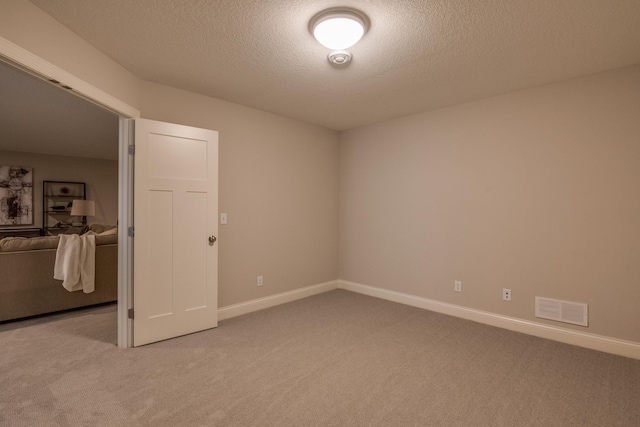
[76, 262]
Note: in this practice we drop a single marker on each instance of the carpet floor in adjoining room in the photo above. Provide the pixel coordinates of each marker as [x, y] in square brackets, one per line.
[334, 359]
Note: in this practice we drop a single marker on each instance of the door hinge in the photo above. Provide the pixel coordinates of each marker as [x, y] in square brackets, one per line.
[130, 232]
[132, 150]
[130, 313]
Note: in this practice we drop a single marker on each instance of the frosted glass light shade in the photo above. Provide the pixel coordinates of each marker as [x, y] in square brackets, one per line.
[338, 29]
[83, 208]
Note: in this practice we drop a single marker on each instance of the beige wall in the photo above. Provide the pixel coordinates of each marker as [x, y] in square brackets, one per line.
[537, 191]
[101, 177]
[27, 26]
[278, 186]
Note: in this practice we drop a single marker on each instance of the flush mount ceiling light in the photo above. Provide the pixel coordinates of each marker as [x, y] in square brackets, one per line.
[338, 29]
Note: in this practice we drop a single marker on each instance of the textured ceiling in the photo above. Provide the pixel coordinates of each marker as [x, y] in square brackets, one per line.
[418, 54]
[38, 117]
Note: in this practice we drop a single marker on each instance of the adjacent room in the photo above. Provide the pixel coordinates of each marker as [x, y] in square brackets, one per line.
[437, 225]
[69, 158]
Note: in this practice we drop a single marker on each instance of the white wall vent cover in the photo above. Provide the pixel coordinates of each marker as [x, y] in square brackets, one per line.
[562, 311]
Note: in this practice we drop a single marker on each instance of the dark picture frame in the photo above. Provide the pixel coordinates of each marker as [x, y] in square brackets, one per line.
[16, 196]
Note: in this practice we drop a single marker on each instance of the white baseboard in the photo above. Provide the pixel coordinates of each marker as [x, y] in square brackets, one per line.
[273, 300]
[595, 342]
[582, 339]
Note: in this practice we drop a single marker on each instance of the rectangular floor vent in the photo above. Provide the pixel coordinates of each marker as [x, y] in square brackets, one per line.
[562, 311]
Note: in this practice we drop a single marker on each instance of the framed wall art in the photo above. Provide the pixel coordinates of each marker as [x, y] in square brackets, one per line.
[16, 196]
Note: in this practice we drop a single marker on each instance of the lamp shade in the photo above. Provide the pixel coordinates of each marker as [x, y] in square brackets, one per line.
[83, 208]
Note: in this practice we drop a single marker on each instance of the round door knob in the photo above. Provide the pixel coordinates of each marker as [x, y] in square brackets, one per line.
[212, 240]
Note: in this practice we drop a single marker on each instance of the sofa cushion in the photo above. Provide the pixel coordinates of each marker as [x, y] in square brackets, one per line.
[100, 228]
[109, 232]
[109, 239]
[13, 244]
[17, 244]
[69, 230]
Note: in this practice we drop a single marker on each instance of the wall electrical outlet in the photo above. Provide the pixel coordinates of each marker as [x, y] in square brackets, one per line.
[506, 294]
[457, 286]
[260, 282]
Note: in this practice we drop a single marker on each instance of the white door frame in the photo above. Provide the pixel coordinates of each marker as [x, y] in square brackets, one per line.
[37, 66]
[125, 245]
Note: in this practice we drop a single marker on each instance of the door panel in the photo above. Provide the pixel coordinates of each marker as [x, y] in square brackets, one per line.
[161, 275]
[176, 210]
[166, 149]
[192, 251]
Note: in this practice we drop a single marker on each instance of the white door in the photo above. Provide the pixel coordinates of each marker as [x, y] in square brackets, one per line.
[175, 287]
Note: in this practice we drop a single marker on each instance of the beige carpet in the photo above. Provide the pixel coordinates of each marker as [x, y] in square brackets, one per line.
[336, 359]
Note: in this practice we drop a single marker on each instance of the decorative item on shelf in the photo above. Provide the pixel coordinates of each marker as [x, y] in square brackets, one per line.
[83, 208]
[65, 189]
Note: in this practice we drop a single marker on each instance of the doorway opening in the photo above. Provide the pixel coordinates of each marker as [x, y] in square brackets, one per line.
[93, 141]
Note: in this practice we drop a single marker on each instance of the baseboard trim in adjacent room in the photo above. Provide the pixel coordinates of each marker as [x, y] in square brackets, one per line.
[273, 300]
[582, 339]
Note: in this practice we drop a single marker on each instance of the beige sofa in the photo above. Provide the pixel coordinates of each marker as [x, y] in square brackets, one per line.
[27, 286]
